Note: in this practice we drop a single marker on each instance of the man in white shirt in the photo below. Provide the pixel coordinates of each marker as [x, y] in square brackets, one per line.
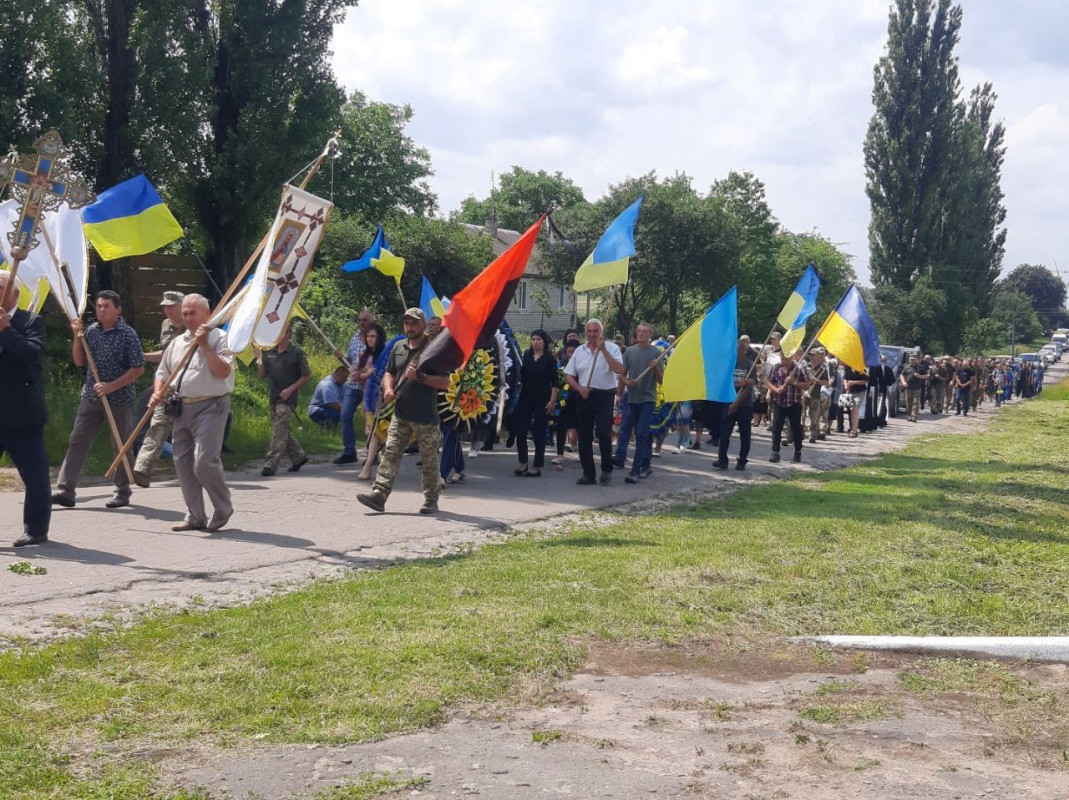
[591, 373]
[204, 386]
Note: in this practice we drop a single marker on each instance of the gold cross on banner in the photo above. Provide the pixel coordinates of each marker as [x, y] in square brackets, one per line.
[40, 183]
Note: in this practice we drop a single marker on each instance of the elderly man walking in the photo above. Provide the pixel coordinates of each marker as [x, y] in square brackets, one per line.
[591, 373]
[203, 388]
[116, 351]
[414, 393]
[160, 427]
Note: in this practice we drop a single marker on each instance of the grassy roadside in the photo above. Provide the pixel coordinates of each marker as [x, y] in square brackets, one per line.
[956, 535]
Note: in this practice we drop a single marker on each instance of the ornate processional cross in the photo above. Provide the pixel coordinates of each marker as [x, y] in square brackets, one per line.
[40, 184]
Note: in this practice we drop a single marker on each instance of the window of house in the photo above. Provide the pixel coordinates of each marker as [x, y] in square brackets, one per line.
[519, 300]
[562, 296]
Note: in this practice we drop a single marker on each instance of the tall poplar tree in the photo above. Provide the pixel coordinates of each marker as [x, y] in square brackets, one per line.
[908, 148]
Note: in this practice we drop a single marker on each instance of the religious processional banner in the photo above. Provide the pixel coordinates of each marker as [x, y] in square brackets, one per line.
[280, 273]
[64, 230]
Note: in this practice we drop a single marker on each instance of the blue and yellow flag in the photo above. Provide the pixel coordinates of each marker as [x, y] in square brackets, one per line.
[702, 366]
[607, 265]
[800, 306]
[429, 302]
[379, 257]
[129, 219]
[849, 333]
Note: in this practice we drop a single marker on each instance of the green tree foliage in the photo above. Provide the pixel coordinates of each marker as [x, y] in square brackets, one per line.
[379, 168]
[908, 146]
[443, 251]
[1014, 312]
[909, 317]
[1046, 289]
[521, 198]
[983, 336]
[933, 165]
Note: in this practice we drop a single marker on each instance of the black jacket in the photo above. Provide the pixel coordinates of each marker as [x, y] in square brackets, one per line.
[888, 377]
[22, 392]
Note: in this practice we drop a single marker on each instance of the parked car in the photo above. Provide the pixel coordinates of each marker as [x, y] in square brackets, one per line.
[1030, 358]
[1050, 352]
[897, 357]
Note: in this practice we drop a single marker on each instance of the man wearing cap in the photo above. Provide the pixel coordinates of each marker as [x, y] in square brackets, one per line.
[161, 426]
[415, 397]
[818, 401]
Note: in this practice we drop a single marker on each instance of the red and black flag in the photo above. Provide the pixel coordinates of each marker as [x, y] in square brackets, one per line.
[476, 310]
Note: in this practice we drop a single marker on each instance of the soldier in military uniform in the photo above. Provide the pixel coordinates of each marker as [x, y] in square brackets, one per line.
[286, 369]
[161, 426]
[941, 376]
[816, 401]
[415, 397]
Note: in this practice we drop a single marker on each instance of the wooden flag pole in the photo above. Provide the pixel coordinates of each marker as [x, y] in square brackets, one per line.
[323, 335]
[64, 270]
[234, 286]
[404, 305]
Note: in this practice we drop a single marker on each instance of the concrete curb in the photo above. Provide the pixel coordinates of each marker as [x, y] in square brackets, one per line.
[1031, 648]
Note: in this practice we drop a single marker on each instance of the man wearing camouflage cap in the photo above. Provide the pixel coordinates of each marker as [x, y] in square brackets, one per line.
[818, 401]
[162, 425]
[415, 397]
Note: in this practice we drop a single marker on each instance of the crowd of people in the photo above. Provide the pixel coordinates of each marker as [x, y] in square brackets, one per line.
[570, 395]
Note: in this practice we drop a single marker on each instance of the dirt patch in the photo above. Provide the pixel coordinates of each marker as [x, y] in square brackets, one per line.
[768, 719]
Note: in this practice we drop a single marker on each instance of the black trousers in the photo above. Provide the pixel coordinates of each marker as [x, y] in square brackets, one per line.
[743, 417]
[792, 415]
[26, 446]
[594, 416]
[530, 418]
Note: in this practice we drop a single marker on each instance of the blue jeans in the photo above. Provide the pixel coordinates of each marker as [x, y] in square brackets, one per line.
[636, 418]
[325, 416]
[350, 403]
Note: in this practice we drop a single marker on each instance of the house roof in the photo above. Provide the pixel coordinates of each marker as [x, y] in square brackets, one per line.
[502, 240]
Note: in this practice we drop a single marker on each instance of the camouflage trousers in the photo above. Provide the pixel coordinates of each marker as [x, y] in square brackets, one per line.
[283, 442]
[818, 414]
[429, 439]
[938, 398]
[151, 448]
[913, 403]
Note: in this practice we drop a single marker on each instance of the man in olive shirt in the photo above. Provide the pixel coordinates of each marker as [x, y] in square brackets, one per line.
[160, 427]
[640, 359]
[287, 371]
[912, 379]
[415, 397]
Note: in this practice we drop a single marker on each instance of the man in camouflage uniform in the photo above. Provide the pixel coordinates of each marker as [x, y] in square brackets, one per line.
[286, 369]
[912, 379]
[816, 401]
[415, 397]
[160, 428]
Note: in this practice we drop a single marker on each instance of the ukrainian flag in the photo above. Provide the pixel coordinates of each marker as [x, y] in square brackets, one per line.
[429, 302]
[607, 265]
[379, 257]
[849, 333]
[702, 366]
[129, 219]
[800, 306]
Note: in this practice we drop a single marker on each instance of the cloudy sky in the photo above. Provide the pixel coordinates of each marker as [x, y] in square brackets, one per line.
[602, 90]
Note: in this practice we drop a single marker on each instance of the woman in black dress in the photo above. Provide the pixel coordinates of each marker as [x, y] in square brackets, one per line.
[538, 396]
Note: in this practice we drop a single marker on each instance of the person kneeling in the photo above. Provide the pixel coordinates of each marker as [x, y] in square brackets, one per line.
[325, 408]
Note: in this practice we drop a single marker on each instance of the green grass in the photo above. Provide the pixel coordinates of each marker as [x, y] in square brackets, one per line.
[249, 435]
[959, 534]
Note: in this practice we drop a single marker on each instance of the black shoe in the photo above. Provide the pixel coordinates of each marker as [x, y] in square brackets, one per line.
[62, 500]
[345, 458]
[646, 472]
[629, 478]
[797, 457]
[297, 467]
[117, 501]
[812, 440]
[606, 477]
[510, 441]
[740, 466]
[533, 473]
[586, 480]
[522, 470]
[822, 436]
[774, 458]
[267, 472]
[372, 501]
[718, 464]
[27, 539]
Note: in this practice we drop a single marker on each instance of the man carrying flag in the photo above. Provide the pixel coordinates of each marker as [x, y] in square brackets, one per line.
[413, 388]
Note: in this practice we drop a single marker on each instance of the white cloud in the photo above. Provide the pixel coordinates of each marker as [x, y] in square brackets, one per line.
[602, 91]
